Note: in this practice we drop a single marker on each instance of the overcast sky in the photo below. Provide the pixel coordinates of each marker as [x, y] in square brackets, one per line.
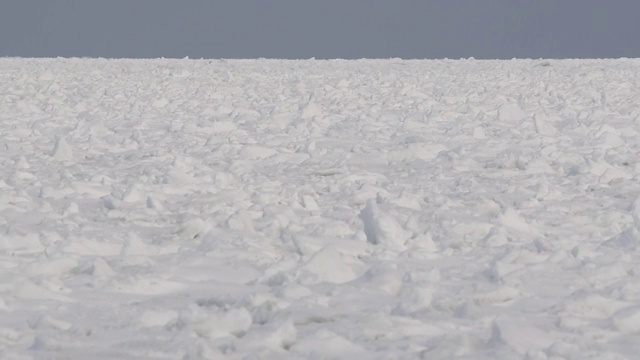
[320, 28]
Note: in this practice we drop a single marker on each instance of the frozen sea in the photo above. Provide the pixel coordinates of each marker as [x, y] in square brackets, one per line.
[368, 209]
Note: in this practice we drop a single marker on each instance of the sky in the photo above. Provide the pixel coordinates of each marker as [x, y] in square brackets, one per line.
[301, 29]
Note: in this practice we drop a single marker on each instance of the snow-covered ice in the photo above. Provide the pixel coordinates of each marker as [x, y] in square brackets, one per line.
[266, 209]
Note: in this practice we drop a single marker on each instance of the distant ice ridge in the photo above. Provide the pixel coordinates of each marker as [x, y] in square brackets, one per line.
[211, 209]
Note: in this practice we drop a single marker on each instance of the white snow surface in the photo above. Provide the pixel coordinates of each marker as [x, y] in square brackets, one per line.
[370, 209]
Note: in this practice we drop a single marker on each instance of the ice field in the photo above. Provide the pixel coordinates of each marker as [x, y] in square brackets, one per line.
[369, 209]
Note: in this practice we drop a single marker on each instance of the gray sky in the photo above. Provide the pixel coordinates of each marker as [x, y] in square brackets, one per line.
[320, 28]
